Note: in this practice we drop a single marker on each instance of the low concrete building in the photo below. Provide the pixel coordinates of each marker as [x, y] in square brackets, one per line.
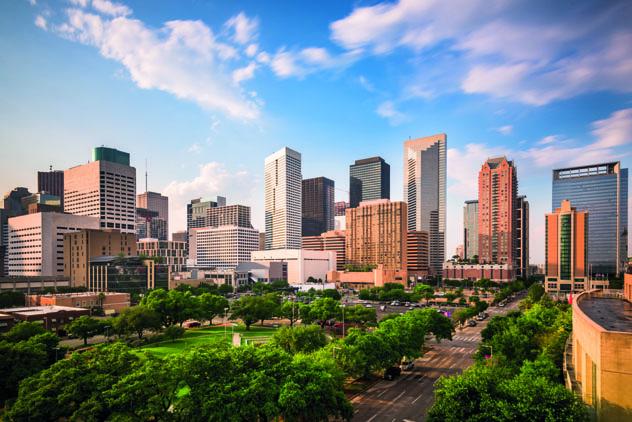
[301, 264]
[111, 302]
[52, 317]
[363, 280]
[333, 240]
[499, 273]
[126, 274]
[601, 345]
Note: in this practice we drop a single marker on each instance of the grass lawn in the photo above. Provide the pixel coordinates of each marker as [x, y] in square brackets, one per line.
[198, 336]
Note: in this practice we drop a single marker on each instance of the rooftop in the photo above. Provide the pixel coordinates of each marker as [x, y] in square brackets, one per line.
[612, 314]
[39, 310]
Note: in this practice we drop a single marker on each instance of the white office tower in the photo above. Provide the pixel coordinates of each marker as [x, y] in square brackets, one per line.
[104, 188]
[425, 192]
[283, 202]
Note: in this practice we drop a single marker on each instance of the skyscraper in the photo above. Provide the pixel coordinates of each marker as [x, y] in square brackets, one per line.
[318, 206]
[104, 188]
[566, 262]
[228, 215]
[283, 204]
[602, 191]
[197, 211]
[377, 234]
[369, 179]
[154, 201]
[425, 192]
[522, 237]
[497, 192]
[51, 182]
[470, 229]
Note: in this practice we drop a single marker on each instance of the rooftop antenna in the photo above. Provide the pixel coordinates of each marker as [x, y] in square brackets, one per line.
[50, 168]
[146, 175]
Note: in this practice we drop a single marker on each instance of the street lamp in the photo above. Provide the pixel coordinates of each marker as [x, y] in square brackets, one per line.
[343, 320]
[107, 333]
[491, 351]
[225, 317]
[56, 350]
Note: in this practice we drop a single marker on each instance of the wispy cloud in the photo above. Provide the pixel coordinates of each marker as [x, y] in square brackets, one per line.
[504, 130]
[183, 57]
[244, 29]
[388, 110]
[40, 22]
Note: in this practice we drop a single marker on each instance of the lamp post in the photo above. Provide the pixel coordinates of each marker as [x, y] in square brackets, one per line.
[107, 333]
[225, 317]
[56, 351]
[491, 351]
[343, 320]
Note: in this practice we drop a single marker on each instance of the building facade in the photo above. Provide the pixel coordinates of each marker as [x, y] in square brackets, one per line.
[522, 237]
[197, 211]
[12, 206]
[377, 234]
[36, 242]
[150, 225]
[158, 203]
[369, 179]
[566, 260]
[340, 208]
[417, 253]
[110, 302]
[228, 215]
[83, 245]
[42, 202]
[599, 369]
[333, 240]
[498, 273]
[222, 247]
[298, 264]
[126, 274]
[283, 203]
[470, 229]
[497, 192]
[602, 191]
[104, 188]
[171, 253]
[51, 182]
[318, 206]
[425, 192]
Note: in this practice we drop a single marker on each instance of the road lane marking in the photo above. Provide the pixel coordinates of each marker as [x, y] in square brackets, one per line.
[418, 397]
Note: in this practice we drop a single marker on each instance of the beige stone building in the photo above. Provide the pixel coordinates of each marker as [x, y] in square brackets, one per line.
[377, 234]
[80, 247]
[597, 359]
[333, 240]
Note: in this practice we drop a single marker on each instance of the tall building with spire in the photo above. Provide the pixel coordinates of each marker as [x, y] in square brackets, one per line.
[283, 199]
[425, 192]
[158, 204]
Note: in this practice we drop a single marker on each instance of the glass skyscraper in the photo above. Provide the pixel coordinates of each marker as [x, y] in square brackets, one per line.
[318, 206]
[369, 179]
[602, 191]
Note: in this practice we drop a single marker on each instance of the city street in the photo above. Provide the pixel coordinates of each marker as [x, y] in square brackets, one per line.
[409, 397]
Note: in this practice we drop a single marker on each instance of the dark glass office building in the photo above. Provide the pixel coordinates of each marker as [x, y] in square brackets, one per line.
[602, 190]
[369, 178]
[318, 206]
[51, 182]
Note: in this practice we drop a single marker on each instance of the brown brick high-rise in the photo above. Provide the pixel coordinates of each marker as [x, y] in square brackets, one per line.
[377, 234]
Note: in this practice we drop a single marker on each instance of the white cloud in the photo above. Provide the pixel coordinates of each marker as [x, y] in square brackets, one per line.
[244, 28]
[213, 179]
[80, 3]
[388, 111]
[194, 148]
[111, 8]
[308, 60]
[505, 130]
[251, 50]
[244, 73]
[614, 131]
[32, 2]
[499, 50]
[40, 22]
[183, 58]
[549, 139]
[263, 57]
[365, 83]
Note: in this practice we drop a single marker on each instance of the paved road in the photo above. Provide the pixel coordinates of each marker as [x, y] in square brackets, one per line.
[408, 398]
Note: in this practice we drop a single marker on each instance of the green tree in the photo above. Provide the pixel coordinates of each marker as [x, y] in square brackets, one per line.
[210, 306]
[332, 293]
[10, 299]
[291, 310]
[174, 332]
[19, 361]
[23, 331]
[303, 339]
[360, 314]
[173, 306]
[85, 327]
[535, 292]
[254, 308]
[137, 319]
[324, 309]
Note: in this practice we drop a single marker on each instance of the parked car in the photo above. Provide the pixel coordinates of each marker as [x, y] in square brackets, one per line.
[192, 324]
[471, 323]
[392, 373]
[383, 308]
[407, 366]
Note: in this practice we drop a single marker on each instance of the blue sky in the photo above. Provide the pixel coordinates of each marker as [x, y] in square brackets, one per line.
[204, 90]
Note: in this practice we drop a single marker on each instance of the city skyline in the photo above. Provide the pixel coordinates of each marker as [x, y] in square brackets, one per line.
[191, 147]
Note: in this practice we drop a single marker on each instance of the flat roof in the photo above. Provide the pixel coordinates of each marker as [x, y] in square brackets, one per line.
[39, 310]
[612, 314]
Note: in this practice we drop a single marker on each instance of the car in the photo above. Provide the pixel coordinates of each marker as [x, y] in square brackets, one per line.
[471, 323]
[392, 373]
[368, 305]
[415, 305]
[407, 366]
[382, 308]
[410, 308]
[192, 324]
[501, 304]
[407, 304]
